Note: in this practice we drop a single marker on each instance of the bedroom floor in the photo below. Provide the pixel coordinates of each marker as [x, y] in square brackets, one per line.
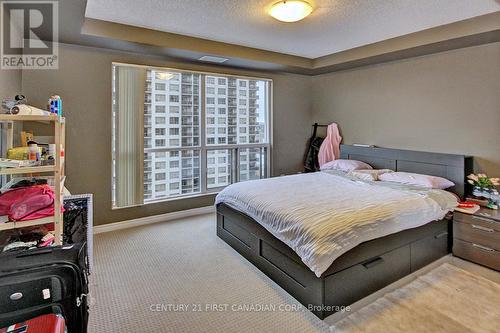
[178, 276]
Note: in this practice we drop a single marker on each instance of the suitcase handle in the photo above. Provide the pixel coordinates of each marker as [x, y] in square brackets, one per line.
[33, 253]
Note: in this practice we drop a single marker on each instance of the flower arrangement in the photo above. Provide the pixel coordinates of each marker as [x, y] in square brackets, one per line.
[482, 181]
[484, 186]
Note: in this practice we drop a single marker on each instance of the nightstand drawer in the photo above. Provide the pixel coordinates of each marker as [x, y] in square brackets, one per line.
[477, 233]
[477, 220]
[477, 253]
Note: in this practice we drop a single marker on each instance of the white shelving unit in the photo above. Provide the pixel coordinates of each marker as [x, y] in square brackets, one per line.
[57, 169]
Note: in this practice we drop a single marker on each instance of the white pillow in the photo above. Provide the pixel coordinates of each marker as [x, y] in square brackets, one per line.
[345, 165]
[370, 175]
[417, 179]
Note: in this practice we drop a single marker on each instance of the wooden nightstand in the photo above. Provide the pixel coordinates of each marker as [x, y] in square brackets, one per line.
[476, 237]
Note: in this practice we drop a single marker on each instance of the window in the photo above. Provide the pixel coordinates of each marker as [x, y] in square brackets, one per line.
[159, 97]
[184, 155]
[160, 142]
[160, 188]
[160, 176]
[160, 86]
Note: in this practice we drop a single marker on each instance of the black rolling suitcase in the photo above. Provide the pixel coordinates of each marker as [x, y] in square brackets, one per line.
[44, 281]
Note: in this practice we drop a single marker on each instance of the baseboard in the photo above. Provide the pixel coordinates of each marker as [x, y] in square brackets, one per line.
[153, 219]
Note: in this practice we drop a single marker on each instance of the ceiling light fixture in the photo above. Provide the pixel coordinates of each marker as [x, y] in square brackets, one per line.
[218, 60]
[290, 10]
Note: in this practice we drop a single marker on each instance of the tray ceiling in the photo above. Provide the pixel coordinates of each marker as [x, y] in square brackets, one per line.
[334, 25]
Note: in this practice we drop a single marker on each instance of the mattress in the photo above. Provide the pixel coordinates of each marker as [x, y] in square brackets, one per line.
[325, 214]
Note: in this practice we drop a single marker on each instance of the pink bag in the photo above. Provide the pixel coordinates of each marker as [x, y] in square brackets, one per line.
[27, 203]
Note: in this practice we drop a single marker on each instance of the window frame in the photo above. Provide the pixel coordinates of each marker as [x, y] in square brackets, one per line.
[203, 148]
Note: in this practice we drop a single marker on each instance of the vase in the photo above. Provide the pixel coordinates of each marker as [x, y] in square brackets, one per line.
[480, 192]
[493, 199]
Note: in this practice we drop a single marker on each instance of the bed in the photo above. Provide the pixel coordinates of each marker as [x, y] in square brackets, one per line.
[324, 287]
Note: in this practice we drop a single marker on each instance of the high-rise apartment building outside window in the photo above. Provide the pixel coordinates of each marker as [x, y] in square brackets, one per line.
[200, 132]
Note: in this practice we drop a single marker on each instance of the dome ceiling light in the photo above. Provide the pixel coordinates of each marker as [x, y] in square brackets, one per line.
[290, 10]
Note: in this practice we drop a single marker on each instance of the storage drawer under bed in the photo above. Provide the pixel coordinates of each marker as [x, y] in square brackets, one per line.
[354, 283]
[426, 250]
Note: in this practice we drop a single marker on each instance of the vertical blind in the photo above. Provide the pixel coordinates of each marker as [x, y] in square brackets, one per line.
[128, 105]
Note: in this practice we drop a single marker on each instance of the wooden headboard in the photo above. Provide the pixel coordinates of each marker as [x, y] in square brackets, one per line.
[449, 166]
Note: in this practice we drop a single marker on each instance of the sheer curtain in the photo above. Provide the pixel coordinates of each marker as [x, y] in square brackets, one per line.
[128, 150]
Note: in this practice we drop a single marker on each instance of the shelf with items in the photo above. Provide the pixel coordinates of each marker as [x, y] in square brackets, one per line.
[57, 169]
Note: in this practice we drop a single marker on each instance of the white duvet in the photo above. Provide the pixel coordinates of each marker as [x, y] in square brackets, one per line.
[322, 215]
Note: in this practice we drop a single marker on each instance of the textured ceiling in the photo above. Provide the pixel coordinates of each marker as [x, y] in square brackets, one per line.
[334, 25]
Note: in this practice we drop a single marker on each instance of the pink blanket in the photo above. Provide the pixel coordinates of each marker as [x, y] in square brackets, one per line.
[330, 148]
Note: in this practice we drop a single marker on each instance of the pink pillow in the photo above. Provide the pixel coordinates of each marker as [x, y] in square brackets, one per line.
[345, 165]
[416, 179]
[368, 174]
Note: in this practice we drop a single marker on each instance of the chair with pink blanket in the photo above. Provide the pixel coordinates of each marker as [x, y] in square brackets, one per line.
[330, 148]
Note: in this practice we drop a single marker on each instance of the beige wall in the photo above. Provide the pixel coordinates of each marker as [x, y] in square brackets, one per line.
[10, 83]
[446, 102]
[84, 82]
[10, 86]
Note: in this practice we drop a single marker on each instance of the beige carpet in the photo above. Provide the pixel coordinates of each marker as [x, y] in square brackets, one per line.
[165, 277]
[447, 299]
[184, 262]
